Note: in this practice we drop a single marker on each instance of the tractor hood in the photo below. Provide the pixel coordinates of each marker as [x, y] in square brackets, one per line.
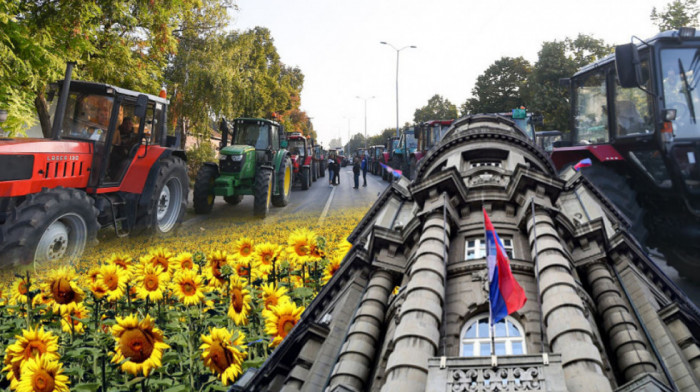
[236, 149]
[39, 146]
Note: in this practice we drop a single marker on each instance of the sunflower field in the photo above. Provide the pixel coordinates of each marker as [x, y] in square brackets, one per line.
[189, 312]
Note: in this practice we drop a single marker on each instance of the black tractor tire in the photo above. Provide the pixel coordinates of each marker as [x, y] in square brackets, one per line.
[617, 190]
[412, 168]
[314, 171]
[282, 199]
[203, 195]
[322, 168]
[51, 225]
[233, 200]
[166, 207]
[262, 189]
[305, 178]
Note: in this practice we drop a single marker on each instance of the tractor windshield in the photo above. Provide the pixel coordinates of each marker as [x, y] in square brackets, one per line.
[681, 76]
[253, 134]
[86, 116]
[411, 141]
[296, 147]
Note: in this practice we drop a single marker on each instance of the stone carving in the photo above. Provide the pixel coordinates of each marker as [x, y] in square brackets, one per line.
[498, 379]
[486, 179]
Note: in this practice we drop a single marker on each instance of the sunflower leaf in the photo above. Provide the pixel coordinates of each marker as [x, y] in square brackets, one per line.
[88, 387]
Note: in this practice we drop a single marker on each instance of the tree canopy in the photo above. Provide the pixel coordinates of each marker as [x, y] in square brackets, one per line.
[676, 14]
[438, 108]
[500, 88]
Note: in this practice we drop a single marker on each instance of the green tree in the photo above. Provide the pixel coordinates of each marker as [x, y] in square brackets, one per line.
[500, 88]
[382, 137]
[438, 108]
[676, 14]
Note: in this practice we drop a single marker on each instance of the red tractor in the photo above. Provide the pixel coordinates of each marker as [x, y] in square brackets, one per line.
[636, 115]
[320, 158]
[428, 134]
[302, 159]
[107, 161]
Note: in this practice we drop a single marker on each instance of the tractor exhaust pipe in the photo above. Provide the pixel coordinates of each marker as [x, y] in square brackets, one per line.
[62, 102]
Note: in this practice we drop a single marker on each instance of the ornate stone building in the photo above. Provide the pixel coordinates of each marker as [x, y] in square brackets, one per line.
[600, 315]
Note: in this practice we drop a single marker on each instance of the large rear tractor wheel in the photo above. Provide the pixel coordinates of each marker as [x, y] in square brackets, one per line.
[322, 168]
[167, 204]
[233, 200]
[52, 225]
[203, 196]
[314, 171]
[305, 178]
[284, 183]
[263, 192]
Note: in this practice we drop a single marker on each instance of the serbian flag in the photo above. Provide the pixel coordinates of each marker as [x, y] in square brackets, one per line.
[505, 294]
[394, 172]
[583, 163]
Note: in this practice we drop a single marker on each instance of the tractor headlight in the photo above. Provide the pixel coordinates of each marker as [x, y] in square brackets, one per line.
[236, 158]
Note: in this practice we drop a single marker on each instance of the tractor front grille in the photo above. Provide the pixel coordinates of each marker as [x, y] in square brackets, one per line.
[228, 165]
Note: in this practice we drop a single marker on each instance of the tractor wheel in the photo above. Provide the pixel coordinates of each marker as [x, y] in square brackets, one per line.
[203, 196]
[263, 192]
[166, 208]
[322, 168]
[314, 172]
[233, 200]
[305, 178]
[48, 226]
[412, 168]
[284, 183]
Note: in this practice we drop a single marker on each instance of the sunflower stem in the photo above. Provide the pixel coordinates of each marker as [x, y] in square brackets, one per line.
[104, 370]
[189, 349]
[128, 297]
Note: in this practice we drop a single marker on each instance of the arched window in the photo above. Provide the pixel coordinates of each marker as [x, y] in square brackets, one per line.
[476, 337]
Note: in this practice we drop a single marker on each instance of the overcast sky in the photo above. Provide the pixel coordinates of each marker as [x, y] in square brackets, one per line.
[336, 45]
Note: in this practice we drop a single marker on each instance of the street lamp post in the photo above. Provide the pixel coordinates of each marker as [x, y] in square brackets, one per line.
[397, 79]
[365, 99]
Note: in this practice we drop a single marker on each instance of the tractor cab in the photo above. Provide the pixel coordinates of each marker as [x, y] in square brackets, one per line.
[301, 153]
[524, 120]
[248, 142]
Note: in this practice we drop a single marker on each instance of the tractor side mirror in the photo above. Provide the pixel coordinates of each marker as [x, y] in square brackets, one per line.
[628, 66]
[141, 106]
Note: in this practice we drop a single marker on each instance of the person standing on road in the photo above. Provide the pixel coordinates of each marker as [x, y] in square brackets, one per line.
[336, 170]
[331, 168]
[364, 169]
[356, 172]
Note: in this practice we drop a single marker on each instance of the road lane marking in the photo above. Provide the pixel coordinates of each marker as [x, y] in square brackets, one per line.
[327, 207]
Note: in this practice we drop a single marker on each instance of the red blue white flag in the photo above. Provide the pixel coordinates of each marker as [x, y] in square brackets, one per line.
[505, 294]
[395, 172]
[583, 163]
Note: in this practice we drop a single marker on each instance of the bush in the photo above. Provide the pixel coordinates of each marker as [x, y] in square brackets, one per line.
[201, 152]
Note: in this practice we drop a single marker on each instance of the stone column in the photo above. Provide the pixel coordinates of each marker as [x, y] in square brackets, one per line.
[633, 358]
[568, 331]
[357, 354]
[417, 334]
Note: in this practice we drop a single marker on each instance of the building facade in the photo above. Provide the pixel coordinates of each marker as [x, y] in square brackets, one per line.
[408, 309]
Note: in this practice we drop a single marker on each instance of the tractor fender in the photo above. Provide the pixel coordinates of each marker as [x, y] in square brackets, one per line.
[150, 183]
[279, 156]
[212, 164]
[602, 153]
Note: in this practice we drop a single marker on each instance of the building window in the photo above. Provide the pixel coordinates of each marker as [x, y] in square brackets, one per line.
[476, 337]
[475, 248]
[475, 164]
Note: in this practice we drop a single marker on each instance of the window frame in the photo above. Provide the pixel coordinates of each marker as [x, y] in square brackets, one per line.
[479, 247]
[478, 341]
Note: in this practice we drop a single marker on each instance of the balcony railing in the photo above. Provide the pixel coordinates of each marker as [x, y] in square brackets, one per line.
[506, 373]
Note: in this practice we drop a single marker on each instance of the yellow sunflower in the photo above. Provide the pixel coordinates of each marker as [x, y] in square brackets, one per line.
[93, 274]
[114, 278]
[43, 374]
[265, 253]
[244, 267]
[121, 260]
[33, 343]
[73, 316]
[151, 282]
[331, 269]
[163, 258]
[13, 370]
[280, 319]
[272, 295]
[300, 245]
[98, 288]
[215, 261]
[62, 289]
[185, 261]
[342, 249]
[139, 344]
[3, 295]
[188, 287]
[18, 292]
[240, 301]
[222, 354]
[243, 248]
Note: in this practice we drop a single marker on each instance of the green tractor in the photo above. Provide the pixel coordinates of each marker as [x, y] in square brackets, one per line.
[253, 160]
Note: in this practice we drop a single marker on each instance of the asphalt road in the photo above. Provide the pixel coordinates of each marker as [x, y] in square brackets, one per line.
[317, 199]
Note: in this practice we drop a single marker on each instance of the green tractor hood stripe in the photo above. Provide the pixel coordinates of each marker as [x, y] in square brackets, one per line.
[236, 149]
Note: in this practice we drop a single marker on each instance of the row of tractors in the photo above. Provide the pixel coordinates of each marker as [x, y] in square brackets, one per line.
[103, 158]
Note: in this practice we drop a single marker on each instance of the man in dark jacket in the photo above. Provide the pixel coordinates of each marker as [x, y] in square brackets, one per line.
[364, 170]
[356, 172]
[336, 171]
